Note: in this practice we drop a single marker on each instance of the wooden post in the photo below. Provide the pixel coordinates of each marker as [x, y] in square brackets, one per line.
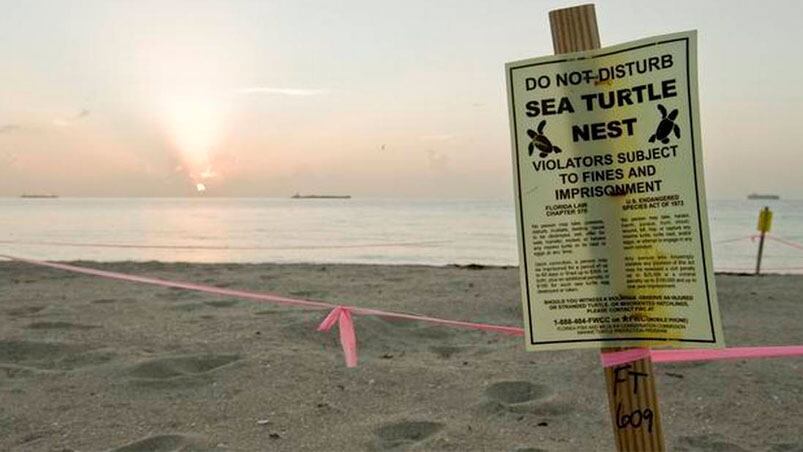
[631, 387]
[764, 221]
[760, 252]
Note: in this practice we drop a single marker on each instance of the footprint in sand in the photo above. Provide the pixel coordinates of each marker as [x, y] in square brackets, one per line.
[445, 351]
[50, 355]
[166, 443]
[510, 392]
[188, 307]
[10, 371]
[24, 311]
[787, 447]
[222, 303]
[707, 443]
[523, 397]
[270, 312]
[178, 368]
[175, 294]
[113, 300]
[404, 434]
[59, 326]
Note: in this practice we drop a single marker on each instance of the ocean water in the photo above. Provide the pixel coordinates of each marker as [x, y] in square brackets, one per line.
[371, 231]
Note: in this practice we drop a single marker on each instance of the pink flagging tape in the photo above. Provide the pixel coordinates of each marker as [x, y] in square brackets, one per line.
[177, 284]
[610, 359]
[786, 242]
[747, 237]
[330, 320]
[342, 315]
[674, 356]
[348, 338]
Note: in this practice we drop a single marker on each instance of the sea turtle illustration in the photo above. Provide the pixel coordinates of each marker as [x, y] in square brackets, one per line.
[666, 126]
[540, 141]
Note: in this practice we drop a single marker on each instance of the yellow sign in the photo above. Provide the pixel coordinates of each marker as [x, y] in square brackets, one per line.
[612, 221]
[765, 220]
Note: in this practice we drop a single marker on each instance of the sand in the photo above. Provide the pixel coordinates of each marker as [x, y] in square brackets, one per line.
[91, 364]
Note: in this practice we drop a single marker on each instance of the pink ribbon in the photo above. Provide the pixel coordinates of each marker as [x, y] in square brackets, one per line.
[610, 359]
[785, 242]
[348, 339]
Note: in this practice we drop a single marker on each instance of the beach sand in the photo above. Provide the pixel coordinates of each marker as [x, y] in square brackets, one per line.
[93, 364]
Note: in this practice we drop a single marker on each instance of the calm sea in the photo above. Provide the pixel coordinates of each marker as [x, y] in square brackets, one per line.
[373, 231]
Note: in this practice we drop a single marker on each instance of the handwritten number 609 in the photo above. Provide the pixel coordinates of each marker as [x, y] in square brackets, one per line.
[634, 419]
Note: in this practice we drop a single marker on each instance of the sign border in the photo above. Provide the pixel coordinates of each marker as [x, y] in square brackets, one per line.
[692, 106]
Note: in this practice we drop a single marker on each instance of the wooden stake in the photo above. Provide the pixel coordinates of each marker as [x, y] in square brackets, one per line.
[574, 29]
[631, 390]
[760, 252]
[764, 222]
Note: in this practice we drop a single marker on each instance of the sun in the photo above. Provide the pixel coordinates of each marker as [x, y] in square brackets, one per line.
[195, 123]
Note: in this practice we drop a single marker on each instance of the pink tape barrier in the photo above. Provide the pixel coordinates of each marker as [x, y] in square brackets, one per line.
[610, 359]
[348, 339]
[177, 284]
[786, 242]
[343, 315]
[747, 237]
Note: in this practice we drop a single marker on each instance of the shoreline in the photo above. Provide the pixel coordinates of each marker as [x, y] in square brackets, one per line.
[468, 266]
[93, 364]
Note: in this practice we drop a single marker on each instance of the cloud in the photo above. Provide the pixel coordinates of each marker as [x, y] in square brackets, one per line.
[64, 122]
[8, 128]
[281, 91]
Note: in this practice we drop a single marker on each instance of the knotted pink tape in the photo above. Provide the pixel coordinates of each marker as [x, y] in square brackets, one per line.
[348, 339]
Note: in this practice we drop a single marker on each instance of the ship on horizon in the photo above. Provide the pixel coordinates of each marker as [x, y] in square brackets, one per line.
[39, 195]
[762, 196]
[300, 196]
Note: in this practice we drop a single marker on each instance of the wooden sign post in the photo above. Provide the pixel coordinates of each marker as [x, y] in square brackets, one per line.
[631, 387]
[764, 224]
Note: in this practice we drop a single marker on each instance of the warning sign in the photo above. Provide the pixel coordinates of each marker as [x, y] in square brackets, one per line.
[612, 224]
[765, 220]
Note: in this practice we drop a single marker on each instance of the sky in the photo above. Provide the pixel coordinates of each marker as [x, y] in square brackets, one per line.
[368, 98]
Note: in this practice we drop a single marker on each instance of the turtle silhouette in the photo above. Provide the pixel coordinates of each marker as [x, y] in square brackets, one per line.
[540, 141]
[666, 126]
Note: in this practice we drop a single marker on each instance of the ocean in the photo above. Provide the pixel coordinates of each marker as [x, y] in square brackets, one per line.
[365, 231]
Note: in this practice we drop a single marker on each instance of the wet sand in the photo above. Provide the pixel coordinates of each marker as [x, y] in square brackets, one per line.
[89, 364]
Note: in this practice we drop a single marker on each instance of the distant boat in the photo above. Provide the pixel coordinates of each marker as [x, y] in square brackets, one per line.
[298, 196]
[43, 195]
[760, 196]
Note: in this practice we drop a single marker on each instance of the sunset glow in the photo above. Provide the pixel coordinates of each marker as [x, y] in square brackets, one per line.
[195, 126]
[270, 98]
